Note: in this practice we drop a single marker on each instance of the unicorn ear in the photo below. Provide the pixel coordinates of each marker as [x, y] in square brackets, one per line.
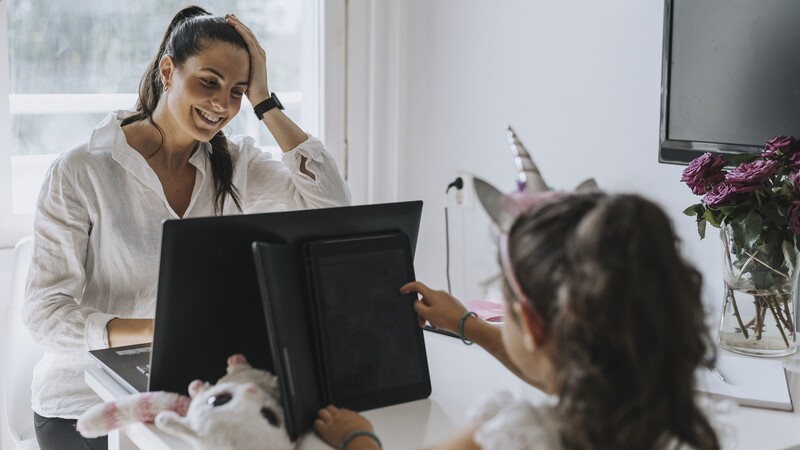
[493, 202]
[504, 209]
[587, 186]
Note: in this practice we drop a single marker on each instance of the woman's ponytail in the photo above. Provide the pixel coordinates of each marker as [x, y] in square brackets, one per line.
[222, 169]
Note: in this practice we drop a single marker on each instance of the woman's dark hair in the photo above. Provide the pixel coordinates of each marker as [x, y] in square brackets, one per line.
[191, 29]
[624, 320]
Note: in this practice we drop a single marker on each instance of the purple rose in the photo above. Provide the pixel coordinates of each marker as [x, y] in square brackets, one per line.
[703, 173]
[796, 184]
[779, 145]
[794, 216]
[750, 176]
[793, 162]
[719, 195]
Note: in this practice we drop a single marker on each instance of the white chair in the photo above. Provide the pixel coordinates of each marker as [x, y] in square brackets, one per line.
[22, 353]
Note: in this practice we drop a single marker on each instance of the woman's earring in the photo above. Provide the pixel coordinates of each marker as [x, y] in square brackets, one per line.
[166, 86]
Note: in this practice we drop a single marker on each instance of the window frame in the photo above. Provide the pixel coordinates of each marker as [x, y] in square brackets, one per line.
[324, 44]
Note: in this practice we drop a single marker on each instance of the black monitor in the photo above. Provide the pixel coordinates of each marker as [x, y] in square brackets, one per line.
[730, 76]
[209, 305]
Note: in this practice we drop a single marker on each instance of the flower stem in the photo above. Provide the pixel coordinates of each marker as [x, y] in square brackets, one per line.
[732, 299]
[753, 257]
[788, 314]
[769, 302]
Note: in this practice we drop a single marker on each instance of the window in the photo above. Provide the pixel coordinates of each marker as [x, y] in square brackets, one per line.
[70, 63]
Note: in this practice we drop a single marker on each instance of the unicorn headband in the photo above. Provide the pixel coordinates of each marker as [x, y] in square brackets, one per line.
[504, 209]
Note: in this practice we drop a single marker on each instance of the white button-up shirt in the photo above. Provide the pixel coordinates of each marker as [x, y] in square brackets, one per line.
[97, 241]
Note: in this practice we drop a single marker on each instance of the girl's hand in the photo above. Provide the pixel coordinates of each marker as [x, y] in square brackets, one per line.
[257, 89]
[334, 424]
[437, 307]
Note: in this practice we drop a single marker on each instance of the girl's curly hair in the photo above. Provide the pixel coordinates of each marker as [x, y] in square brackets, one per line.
[624, 320]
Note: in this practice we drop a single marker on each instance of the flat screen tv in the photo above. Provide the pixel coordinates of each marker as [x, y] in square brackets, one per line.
[730, 76]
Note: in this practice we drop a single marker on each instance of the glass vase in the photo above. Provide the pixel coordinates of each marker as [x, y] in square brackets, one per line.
[758, 313]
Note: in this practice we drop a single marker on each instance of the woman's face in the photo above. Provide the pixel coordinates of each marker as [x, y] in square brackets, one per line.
[206, 91]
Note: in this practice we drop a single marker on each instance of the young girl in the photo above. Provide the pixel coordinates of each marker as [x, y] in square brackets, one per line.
[97, 230]
[601, 312]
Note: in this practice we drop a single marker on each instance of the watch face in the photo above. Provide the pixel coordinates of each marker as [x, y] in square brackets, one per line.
[277, 101]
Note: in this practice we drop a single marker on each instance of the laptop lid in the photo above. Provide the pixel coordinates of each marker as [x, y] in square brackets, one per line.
[209, 306]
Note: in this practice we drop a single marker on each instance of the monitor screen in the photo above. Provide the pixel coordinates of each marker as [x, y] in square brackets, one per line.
[731, 76]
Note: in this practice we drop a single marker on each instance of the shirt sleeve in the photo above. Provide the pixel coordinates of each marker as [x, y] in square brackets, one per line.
[280, 185]
[57, 276]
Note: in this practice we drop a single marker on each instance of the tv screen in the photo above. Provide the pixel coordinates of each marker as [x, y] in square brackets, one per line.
[731, 76]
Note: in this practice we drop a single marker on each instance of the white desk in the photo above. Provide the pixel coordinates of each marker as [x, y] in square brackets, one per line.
[459, 376]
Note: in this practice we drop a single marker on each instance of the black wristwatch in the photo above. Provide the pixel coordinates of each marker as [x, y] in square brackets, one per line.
[272, 102]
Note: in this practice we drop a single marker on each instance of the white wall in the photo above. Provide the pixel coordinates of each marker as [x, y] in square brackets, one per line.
[6, 262]
[580, 82]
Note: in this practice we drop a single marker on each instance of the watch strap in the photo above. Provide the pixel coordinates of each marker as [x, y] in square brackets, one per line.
[266, 105]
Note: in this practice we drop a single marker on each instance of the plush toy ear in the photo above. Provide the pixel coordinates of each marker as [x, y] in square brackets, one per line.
[101, 419]
[176, 425]
[236, 360]
[197, 386]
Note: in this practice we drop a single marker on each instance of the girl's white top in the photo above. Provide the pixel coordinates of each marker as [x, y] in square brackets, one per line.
[97, 240]
[509, 423]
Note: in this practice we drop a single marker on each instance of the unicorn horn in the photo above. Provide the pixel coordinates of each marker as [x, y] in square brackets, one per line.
[529, 177]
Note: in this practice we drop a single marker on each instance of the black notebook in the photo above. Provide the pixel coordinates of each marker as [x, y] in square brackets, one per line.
[342, 333]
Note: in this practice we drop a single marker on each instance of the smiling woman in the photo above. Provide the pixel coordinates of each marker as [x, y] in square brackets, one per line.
[69, 63]
[98, 220]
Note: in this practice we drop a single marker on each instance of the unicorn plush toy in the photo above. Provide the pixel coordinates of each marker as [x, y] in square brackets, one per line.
[242, 411]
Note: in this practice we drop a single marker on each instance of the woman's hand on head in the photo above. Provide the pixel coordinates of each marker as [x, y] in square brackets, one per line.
[439, 308]
[257, 89]
[334, 424]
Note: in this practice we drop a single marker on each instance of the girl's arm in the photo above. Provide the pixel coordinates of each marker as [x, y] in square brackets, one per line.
[444, 311]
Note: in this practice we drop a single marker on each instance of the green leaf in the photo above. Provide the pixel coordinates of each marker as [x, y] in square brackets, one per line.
[692, 210]
[753, 227]
[701, 228]
[788, 255]
[774, 213]
[738, 235]
[713, 217]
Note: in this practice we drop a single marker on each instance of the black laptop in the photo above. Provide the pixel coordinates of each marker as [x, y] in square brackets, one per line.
[209, 305]
[341, 332]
